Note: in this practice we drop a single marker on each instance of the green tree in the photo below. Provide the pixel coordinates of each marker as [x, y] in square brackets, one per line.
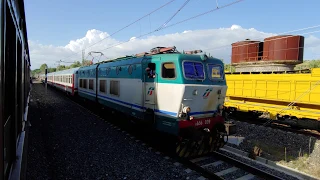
[35, 73]
[43, 67]
[307, 64]
[60, 68]
[52, 70]
[76, 64]
[229, 68]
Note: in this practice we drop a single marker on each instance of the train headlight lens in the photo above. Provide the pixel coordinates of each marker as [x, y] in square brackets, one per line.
[186, 109]
[195, 92]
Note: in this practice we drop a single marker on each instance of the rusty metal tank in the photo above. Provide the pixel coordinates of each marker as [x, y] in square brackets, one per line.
[285, 48]
[246, 51]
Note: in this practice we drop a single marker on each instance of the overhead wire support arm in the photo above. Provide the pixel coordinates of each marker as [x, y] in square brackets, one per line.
[65, 61]
[95, 52]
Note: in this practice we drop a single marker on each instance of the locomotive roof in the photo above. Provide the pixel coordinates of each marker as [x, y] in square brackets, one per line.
[134, 60]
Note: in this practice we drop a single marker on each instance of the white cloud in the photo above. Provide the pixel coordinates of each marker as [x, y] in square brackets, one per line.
[217, 42]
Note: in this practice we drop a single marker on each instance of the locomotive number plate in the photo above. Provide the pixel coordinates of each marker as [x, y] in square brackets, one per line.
[202, 122]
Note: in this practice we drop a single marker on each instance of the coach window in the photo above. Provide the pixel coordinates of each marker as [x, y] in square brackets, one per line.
[81, 84]
[102, 86]
[84, 83]
[168, 70]
[114, 88]
[91, 84]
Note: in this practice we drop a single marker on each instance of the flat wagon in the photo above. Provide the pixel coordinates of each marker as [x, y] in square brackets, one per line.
[292, 97]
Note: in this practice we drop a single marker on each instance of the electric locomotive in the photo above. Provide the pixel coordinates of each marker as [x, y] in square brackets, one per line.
[181, 94]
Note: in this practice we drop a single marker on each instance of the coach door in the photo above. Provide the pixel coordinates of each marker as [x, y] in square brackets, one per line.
[150, 84]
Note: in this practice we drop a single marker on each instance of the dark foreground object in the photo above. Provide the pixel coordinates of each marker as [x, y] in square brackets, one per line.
[67, 142]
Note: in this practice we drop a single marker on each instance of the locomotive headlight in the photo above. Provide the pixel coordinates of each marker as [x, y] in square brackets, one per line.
[186, 109]
[195, 92]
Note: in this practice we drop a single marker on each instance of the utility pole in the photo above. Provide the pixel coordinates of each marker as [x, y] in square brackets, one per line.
[46, 76]
[83, 51]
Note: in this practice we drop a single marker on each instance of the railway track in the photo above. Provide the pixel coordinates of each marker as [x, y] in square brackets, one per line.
[213, 166]
[221, 166]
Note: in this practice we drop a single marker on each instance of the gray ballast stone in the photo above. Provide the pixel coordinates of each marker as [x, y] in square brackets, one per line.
[68, 142]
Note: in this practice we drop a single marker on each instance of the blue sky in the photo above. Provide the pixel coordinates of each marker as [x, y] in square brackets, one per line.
[58, 22]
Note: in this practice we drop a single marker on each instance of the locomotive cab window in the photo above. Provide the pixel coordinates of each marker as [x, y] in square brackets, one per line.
[215, 72]
[168, 70]
[193, 70]
[151, 70]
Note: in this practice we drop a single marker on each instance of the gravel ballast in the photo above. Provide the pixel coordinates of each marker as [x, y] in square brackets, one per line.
[66, 141]
[287, 148]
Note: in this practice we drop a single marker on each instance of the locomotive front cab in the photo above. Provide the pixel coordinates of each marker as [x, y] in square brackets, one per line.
[186, 94]
[201, 121]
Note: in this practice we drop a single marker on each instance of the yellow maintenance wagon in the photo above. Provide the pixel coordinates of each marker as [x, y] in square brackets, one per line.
[291, 96]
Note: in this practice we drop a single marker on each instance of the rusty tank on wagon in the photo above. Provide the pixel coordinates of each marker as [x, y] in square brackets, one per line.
[286, 49]
[246, 51]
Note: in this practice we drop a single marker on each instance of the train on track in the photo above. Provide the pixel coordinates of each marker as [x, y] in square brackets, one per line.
[14, 88]
[266, 86]
[178, 93]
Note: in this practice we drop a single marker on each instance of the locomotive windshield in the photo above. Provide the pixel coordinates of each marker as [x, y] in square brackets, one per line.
[193, 70]
[215, 71]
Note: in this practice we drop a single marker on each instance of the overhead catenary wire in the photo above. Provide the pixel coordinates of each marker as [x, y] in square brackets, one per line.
[193, 17]
[171, 1]
[165, 23]
[204, 13]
